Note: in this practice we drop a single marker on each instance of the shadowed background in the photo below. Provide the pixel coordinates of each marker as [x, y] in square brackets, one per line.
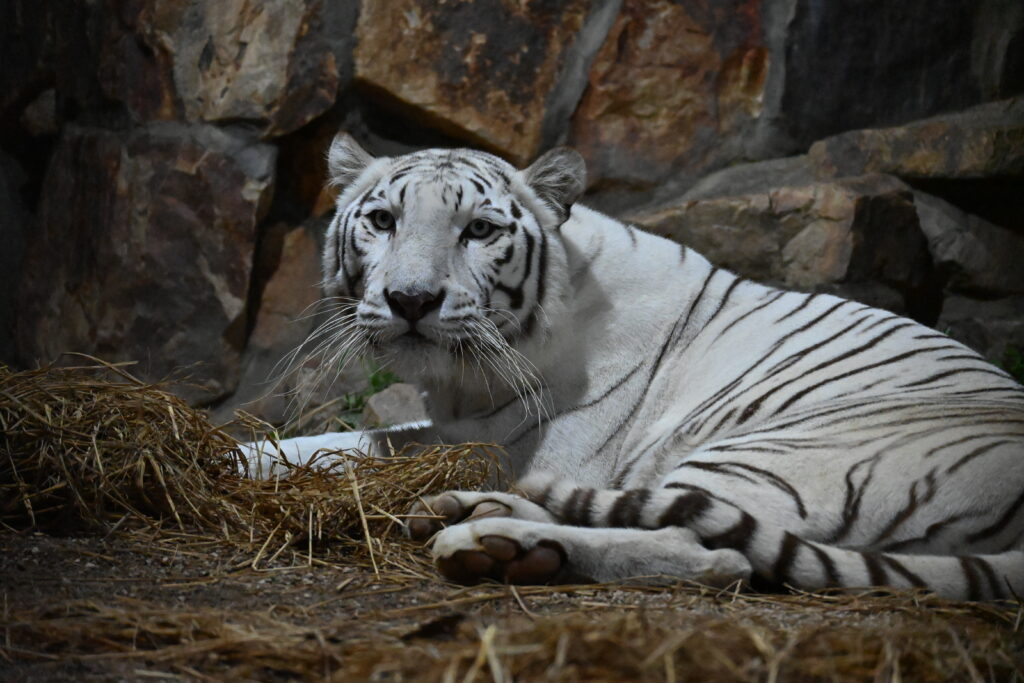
[161, 163]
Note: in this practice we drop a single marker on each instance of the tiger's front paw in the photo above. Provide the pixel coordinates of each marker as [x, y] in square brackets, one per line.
[432, 514]
[465, 555]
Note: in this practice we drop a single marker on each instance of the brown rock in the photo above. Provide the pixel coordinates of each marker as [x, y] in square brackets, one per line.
[279, 379]
[267, 62]
[144, 251]
[994, 328]
[838, 237]
[501, 75]
[984, 141]
[398, 404]
[289, 295]
[266, 383]
[676, 86]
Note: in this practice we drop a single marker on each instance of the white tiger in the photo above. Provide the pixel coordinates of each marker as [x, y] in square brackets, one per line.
[664, 416]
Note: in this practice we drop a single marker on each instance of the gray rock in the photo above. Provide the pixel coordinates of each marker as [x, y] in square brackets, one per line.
[144, 251]
[876, 63]
[994, 328]
[398, 404]
[271, 63]
[984, 141]
[858, 237]
[972, 255]
[759, 176]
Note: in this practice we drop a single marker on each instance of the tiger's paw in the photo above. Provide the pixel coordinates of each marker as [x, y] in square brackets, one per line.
[468, 554]
[432, 514]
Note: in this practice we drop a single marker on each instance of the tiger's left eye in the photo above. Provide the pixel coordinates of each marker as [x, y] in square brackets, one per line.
[479, 229]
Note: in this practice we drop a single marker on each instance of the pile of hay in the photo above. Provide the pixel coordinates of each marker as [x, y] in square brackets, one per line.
[92, 446]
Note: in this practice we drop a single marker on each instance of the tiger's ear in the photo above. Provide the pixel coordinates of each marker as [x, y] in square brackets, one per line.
[558, 177]
[345, 160]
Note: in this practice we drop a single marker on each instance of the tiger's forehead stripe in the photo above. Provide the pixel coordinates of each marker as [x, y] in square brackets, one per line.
[460, 164]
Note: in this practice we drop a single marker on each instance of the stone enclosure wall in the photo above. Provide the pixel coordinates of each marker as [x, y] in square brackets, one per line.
[161, 163]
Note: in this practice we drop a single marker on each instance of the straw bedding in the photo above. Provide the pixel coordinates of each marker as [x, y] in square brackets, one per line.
[158, 560]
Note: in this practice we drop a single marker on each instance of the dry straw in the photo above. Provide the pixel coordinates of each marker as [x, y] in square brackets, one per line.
[87, 446]
[93, 447]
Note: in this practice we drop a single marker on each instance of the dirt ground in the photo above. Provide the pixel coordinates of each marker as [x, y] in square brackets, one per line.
[137, 608]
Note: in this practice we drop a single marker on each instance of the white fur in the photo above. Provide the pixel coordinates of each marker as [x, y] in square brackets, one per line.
[638, 365]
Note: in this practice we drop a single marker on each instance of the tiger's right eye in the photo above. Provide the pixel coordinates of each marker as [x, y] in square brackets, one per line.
[382, 220]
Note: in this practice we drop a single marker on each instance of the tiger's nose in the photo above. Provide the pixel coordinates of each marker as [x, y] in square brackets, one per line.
[413, 305]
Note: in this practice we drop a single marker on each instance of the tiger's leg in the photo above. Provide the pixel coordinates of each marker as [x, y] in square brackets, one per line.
[455, 507]
[778, 555]
[526, 552]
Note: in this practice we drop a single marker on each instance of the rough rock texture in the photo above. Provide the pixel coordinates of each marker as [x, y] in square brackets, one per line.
[973, 159]
[859, 237]
[269, 63]
[675, 85]
[681, 88]
[972, 255]
[158, 238]
[398, 404]
[852, 65]
[993, 328]
[270, 373]
[500, 74]
[985, 141]
[144, 251]
[758, 176]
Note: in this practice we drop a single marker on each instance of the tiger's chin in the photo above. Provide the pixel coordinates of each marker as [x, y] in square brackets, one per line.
[416, 357]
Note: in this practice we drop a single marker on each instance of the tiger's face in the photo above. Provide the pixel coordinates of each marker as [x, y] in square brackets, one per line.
[444, 256]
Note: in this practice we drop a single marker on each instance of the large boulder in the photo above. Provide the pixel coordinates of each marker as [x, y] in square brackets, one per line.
[274, 64]
[851, 65]
[972, 255]
[675, 85]
[752, 178]
[143, 251]
[981, 142]
[679, 89]
[505, 76]
[858, 237]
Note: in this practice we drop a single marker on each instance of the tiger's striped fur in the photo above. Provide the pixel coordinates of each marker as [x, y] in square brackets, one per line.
[793, 438]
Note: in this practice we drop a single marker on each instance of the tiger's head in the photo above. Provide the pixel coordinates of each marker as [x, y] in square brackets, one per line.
[446, 259]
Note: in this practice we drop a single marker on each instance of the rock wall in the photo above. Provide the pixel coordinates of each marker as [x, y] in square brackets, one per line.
[161, 164]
